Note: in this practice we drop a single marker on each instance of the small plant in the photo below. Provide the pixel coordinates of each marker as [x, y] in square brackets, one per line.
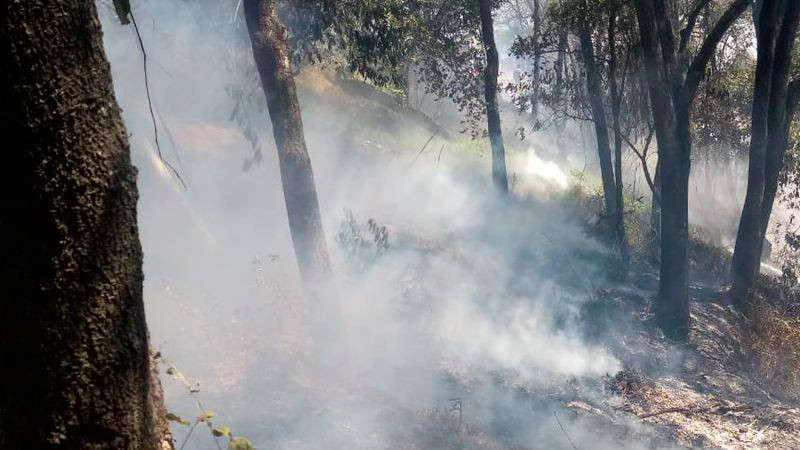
[359, 248]
[205, 417]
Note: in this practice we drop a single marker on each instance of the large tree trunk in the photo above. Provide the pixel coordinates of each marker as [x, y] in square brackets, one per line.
[776, 151]
[593, 90]
[671, 102]
[271, 52]
[672, 308]
[747, 253]
[499, 174]
[76, 371]
[777, 29]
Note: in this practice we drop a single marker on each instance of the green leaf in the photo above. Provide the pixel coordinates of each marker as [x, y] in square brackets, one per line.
[221, 431]
[240, 443]
[123, 8]
[174, 418]
[205, 417]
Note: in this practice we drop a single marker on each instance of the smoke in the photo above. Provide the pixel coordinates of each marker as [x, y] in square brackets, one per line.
[447, 339]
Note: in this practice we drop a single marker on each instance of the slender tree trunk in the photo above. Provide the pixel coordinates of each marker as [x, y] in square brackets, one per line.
[655, 207]
[76, 370]
[499, 174]
[593, 90]
[747, 252]
[271, 52]
[560, 64]
[619, 218]
[537, 57]
[560, 70]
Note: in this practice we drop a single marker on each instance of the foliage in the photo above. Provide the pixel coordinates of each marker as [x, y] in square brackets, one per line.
[205, 417]
[385, 42]
[362, 250]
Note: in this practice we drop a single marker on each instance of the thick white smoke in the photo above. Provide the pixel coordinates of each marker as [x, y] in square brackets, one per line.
[474, 294]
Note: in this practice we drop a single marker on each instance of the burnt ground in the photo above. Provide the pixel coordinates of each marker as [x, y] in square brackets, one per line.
[700, 395]
[703, 394]
[667, 396]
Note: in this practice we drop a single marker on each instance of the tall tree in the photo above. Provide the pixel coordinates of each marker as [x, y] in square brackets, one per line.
[535, 8]
[672, 82]
[616, 106]
[269, 39]
[499, 174]
[610, 169]
[776, 28]
[595, 94]
[73, 339]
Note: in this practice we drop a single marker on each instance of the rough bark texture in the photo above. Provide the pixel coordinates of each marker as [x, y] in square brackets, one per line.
[76, 371]
[499, 174]
[777, 28]
[269, 39]
[593, 89]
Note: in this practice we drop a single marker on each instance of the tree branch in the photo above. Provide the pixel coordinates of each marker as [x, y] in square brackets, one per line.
[643, 158]
[686, 33]
[792, 98]
[698, 67]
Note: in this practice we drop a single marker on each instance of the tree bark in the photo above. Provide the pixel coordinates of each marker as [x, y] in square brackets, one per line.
[777, 28]
[499, 174]
[655, 207]
[746, 259]
[560, 66]
[76, 370]
[616, 99]
[595, 95]
[269, 39]
[534, 5]
[672, 308]
[671, 97]
[776, 151]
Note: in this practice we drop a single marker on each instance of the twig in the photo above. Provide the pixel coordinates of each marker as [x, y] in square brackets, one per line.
[191, 430]
[236, 12]
[426, 144]
[719, 409]
[564, 430]
[150, 102]
[440, 155]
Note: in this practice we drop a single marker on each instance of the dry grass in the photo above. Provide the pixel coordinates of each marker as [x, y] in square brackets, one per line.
[773, 341]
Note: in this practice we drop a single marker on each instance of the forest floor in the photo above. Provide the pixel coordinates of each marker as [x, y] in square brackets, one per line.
[668, 395]
[665, 395]
[698, 395]
[702, 395]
